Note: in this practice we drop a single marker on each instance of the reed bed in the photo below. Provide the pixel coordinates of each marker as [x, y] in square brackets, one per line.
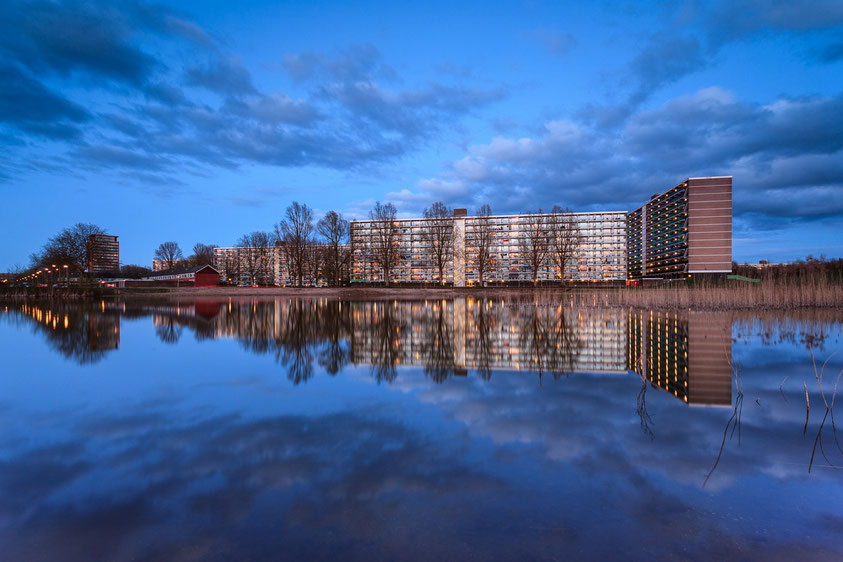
[767, 295]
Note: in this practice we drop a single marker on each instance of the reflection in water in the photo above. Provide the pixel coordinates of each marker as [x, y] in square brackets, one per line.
[83, 332]
[122, 460]
[687, 354]
[683, 353]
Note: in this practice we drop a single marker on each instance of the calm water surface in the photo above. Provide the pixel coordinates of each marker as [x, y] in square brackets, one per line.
[452, 429]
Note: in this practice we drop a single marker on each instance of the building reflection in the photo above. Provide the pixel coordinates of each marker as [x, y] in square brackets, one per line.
[686, 354]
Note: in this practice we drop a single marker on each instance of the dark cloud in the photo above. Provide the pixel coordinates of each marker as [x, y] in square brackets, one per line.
[31, 107]
[412, 112]
[223, 75]
[348, 120]
[165, 93]
[726, 20]
[354, 63]
[832, 53]
[66, 37]
[117, 156]
[273, 108]
[665, 58]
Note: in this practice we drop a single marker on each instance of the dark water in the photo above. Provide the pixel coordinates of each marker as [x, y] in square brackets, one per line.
[467, 429]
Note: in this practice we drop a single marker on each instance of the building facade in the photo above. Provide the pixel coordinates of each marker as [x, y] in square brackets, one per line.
[599, 253]
[103, 253]
[684, 231]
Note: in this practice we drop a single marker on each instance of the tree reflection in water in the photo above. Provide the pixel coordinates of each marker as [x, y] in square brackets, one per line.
[83, 332]
[549, 344]
[167, 329]
[438, 349]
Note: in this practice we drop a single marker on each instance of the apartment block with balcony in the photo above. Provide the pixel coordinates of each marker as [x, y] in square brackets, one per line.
[684, 231]
[600, 254]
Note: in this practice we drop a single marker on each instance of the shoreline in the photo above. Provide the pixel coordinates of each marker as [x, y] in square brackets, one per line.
[701, 298]
[655, 298]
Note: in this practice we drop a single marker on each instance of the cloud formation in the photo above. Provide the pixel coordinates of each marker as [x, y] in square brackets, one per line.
[781, 152]
[210, 114]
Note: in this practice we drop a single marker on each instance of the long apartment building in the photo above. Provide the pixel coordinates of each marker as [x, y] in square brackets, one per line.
[684, 231]
[600, 253]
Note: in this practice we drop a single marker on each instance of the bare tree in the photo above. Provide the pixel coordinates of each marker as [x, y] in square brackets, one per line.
[203, 254]
[534, 242]
[69, 247]
[256, 259]
[482, 242]
[170, 253]
[232, 267]
[314, 262]
[296, 233]
[384, 238]
[564, 238]
[438, 234]
[335, 229]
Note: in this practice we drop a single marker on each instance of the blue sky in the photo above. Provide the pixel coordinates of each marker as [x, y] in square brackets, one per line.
[202, 121]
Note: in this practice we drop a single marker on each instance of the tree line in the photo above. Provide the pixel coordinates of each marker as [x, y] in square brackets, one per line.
[322, 250]
[311, 250]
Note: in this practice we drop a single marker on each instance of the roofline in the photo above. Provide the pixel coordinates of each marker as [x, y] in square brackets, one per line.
[502, 216]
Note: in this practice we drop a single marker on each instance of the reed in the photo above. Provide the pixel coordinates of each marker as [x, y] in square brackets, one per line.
[817, 292]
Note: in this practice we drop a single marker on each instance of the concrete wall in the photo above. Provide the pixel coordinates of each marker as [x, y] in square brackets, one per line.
[710, 225]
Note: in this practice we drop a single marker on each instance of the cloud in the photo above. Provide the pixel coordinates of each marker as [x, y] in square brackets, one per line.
[558, 43]
[223, 75]
[348, 120]
[33, 108]
[832, 53]
[692, 35]
[274, 108]
[66, 37]
[728, 20]
[665, 58]
[780, 153]
[352, 64]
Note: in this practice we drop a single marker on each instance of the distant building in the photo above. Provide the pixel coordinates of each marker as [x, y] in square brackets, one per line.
[269, 266]
[193, 276]
[103, 253]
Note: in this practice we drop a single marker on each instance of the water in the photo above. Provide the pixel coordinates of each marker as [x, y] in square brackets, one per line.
[451, 429]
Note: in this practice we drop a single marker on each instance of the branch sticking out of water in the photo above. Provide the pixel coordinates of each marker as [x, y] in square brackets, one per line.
[807, 409]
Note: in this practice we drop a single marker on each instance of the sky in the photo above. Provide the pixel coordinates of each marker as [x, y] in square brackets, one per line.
[200, 121]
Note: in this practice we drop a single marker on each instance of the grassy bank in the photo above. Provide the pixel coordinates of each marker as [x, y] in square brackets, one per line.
[719, 295]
